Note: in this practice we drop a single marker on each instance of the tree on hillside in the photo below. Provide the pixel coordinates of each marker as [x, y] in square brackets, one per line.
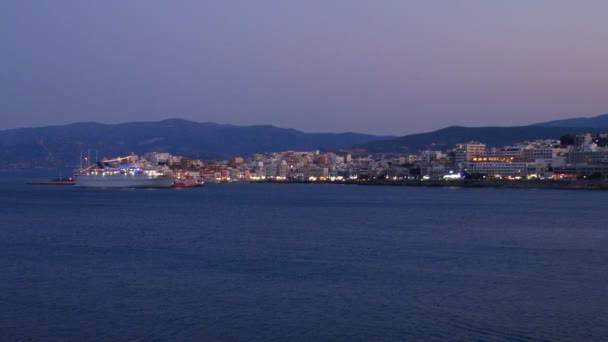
[566, 140]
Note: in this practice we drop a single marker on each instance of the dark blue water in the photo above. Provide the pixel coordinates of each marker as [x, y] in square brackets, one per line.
[302, 262]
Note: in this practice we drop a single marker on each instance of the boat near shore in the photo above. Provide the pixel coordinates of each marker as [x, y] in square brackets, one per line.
[123, 173]
[187, 183]
[56, 181]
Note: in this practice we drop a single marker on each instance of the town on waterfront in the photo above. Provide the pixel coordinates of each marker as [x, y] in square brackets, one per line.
[579, 157]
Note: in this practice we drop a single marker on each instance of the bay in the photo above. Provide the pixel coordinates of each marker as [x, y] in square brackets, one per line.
[302, 262]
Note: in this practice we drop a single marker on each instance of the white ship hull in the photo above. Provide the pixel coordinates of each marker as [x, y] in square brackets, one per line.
[140, 180]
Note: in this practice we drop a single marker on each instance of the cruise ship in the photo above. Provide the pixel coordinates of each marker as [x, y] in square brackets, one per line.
[116, 174]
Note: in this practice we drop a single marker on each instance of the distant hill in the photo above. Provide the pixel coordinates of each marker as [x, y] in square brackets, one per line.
[600, 121]
[446, 138]
[62, 145]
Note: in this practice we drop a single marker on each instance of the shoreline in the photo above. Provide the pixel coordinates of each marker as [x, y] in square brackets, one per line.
[497, 184]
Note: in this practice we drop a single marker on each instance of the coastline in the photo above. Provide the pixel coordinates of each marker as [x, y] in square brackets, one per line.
[498, 184]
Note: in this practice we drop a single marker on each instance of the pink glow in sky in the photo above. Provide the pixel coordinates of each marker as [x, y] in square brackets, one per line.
[384, 67]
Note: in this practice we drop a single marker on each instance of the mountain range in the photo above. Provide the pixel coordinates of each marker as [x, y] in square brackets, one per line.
[600, 121]
[447, 138]
[492, 136]
[56, 146]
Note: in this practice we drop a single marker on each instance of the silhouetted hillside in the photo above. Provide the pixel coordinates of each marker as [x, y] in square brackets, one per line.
[446, 138]
[600, 121]
[62, 145]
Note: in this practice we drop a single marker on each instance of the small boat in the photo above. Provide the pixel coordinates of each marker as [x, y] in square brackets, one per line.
[56, 181]
[187, 183]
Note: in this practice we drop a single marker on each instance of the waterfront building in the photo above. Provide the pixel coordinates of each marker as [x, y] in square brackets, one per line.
[497, 169]
[532, 154]
[588, 156]
[467, 151]
[515, 152]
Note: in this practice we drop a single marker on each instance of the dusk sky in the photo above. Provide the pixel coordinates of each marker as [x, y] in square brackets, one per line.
[382, 67]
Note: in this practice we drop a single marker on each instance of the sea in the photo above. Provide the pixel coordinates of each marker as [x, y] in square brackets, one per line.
[301, 262]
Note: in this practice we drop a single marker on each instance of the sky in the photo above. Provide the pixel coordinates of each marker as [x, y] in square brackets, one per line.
[380, 67]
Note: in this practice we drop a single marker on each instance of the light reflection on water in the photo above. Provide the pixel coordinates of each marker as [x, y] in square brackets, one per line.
[302, 262]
